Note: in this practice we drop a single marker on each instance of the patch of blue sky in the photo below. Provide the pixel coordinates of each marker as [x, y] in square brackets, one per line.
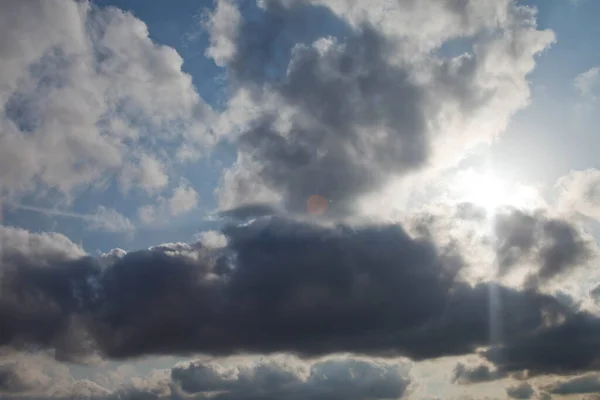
[545, 140]
[177, 24]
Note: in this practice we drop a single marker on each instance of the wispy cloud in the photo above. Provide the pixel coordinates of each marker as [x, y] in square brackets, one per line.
[104, 219]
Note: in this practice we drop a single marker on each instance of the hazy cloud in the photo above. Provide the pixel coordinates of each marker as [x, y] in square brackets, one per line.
[588, 81]
[183, 199]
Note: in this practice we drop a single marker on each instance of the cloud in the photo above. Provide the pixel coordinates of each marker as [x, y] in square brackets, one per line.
[468, 374]
[523, 390]
[83, 89]
[277, 377]
[110, 220]
[183, 199]
[576, 385]
[376, 105]
[588, 81]
[104, 219]
[571, 345]
[280, 285]
[148, 173]
[32, 376]
[336, 378]
[579, 193]
[249, 211]
[556, 246]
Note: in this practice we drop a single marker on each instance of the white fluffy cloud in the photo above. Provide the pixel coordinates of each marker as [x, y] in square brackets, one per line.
[81, 89]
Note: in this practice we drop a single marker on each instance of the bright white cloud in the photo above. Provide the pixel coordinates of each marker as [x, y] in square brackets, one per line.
[80, 87]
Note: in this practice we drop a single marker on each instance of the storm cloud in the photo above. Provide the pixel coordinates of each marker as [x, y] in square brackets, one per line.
[281, 285]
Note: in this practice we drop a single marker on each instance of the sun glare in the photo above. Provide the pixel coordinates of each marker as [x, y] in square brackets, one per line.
[489, 191]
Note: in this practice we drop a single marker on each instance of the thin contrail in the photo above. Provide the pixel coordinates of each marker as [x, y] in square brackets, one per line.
[53, 211]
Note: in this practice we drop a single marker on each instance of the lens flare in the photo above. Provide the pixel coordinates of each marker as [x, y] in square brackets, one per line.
[316, 205]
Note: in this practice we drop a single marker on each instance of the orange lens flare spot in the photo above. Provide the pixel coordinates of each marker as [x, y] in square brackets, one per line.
[316, 205]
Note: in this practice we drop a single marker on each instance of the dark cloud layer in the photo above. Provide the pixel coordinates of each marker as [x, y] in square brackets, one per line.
[554, 245]
[285, 286]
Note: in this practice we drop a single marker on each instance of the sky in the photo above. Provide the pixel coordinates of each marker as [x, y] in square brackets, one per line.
[299, 199]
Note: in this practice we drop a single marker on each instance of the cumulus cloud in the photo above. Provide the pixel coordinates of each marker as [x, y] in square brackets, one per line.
[335, 378]
[83, 88]
[280, 285]
[344, 116]
[277, 377]
[39, 376]
[86, 96]
[149, 173]
[556, 246]
[522, 390]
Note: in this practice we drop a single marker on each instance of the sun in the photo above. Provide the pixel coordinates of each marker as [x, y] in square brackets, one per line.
[489, 191]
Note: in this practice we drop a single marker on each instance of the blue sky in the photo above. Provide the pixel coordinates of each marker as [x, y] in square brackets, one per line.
[187, 187]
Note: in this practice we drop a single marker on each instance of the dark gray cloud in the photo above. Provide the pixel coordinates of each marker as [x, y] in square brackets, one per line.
[467, 374]
[339, 94]
[572, 345]
[341, 378]
[556, 246]
[10, 379]
[577, 385]
[522, 390]
[282, 285]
